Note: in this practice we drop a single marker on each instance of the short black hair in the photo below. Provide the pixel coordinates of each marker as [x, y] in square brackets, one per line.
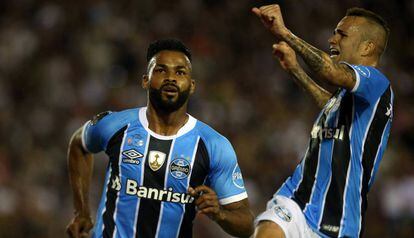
[167, 44]
[369, 15]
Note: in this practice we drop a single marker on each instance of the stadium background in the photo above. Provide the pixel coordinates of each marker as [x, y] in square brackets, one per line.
[61, 62]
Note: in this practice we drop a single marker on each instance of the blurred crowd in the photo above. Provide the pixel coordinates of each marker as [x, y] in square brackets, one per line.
[61, 62]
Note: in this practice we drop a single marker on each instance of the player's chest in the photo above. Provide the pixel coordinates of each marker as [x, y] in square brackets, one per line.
[144, 158]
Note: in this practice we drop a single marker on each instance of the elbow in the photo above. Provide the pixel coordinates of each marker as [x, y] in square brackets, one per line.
[249, 227]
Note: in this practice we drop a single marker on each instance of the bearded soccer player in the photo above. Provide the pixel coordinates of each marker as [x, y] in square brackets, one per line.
[327, 194]
[163, 163]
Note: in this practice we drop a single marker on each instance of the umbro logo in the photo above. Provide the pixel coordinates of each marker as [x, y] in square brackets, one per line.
[132, 156]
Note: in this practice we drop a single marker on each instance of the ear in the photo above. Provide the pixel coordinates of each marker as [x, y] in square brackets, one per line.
[367, 48]
[192, 87]
[145, 81]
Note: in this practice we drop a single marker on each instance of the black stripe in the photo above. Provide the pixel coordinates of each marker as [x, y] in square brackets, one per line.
[372, 143]
[199, 172]
[149, 209]
[341, 154]
[113, 150]
[302, 195]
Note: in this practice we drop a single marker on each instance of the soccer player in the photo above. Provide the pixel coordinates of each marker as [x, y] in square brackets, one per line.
[163, 163]
[327, 194]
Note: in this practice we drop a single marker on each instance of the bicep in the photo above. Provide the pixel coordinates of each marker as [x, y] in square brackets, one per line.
[343, 76]
[240, 205]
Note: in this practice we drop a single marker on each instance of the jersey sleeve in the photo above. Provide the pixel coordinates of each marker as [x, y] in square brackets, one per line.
[370, 83]
[225, 177]
[96, 133]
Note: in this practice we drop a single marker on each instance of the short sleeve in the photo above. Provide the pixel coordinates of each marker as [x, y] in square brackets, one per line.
[94, 133]
[226, 178]
[370, 83]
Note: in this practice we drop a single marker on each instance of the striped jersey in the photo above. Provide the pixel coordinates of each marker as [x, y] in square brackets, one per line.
[346, 145]
[148, 175]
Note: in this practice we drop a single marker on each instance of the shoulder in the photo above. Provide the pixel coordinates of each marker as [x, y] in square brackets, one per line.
[111, 121]
[217, 145]
[368, 72]
[210, 135]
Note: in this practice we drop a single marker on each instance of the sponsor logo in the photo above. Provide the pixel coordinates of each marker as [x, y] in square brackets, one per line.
[166, 195]
[132, 156]
[237, 177]
[156, 159]
[328, 133]
[180, 168]
[330, 228]
[282, 212]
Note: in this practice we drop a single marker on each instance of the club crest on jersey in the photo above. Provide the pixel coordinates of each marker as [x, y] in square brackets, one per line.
[282, 212]
[237, 177]
[180, 168]
[132, 156]
[156, 159]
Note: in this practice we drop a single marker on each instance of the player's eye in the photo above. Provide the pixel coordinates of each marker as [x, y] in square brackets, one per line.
[181, 72]
[159, 70]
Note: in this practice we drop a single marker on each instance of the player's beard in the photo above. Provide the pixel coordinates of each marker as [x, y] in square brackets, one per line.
[168, 105]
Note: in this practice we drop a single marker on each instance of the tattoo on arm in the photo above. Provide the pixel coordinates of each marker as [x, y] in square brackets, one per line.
[321, 63]
[315, 58]
[319, 94]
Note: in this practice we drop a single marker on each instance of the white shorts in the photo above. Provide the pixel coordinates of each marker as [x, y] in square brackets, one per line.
[288, 215]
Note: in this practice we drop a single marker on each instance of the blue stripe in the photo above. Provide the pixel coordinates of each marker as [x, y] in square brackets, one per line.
[97, 230]
[351, 216]
[328, 181]
[383, 145]
[170, 221]
[314, 208]
[127, 204]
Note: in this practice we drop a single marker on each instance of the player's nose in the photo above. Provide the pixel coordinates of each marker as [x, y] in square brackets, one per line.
[332, 40]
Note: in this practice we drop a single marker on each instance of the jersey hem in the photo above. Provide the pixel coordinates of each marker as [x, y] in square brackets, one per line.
[234, 198]
[357, 77]
[83, 137]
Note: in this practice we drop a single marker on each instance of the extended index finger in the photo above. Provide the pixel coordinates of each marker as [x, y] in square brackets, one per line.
[256, 11]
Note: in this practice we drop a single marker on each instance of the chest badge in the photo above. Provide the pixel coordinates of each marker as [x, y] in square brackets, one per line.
[156, 159]
[180, 168]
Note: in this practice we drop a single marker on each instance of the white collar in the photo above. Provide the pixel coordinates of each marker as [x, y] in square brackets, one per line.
[188, 126]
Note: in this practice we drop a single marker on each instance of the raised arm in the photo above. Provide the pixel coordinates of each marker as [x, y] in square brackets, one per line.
[319, 62]
[287, 59]
[80, 166]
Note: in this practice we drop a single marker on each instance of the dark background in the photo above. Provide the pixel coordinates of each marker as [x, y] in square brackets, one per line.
[61, 62]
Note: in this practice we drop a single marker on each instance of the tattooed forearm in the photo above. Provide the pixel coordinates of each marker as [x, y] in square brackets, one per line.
[317, 60]
[319, 94]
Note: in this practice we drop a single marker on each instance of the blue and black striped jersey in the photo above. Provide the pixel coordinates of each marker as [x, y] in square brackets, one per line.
[346, 145]
[148, 175]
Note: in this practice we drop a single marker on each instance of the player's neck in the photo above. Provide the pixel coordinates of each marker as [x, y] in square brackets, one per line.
[166, 124]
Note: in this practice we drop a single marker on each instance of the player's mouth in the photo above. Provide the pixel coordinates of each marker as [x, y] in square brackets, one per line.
[334, 52]
[169, 89]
